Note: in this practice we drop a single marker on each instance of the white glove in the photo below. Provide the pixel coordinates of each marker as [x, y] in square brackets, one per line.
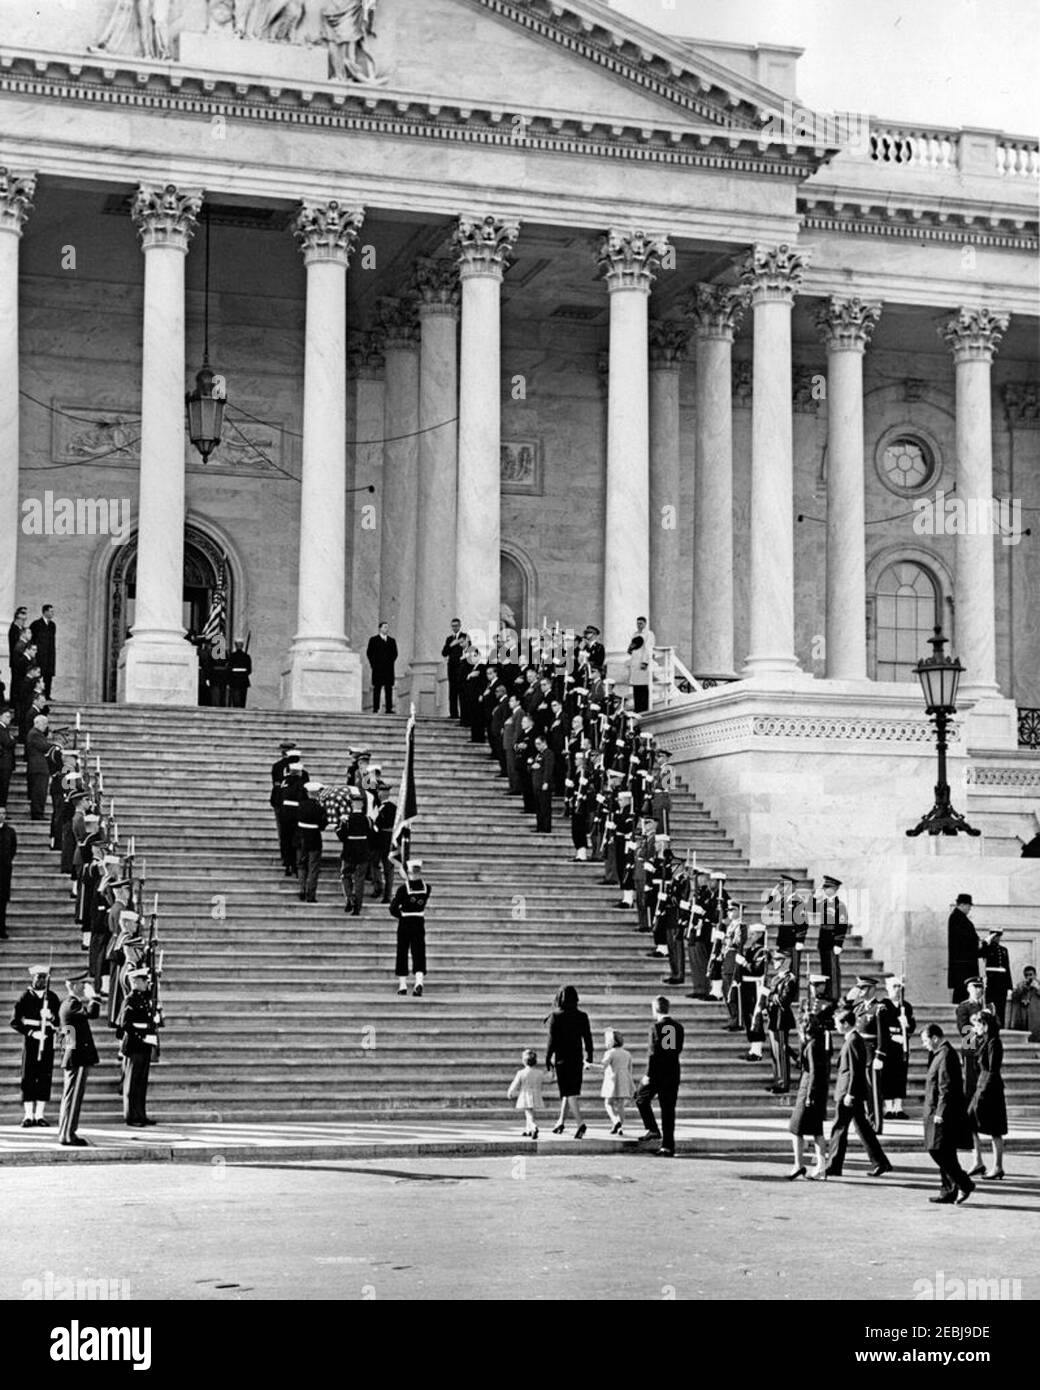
[838, 950]
[879, 1063]
[799, 945]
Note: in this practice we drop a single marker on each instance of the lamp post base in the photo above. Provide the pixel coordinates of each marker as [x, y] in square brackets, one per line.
[942, 819]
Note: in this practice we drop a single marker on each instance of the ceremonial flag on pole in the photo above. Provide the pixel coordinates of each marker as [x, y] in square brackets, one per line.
[218, 609]
[407, 806]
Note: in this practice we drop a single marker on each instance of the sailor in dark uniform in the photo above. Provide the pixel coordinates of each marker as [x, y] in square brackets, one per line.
[355, 835]
[80, 1054]
[36, 1018]
[8, 850]
[833, 920]
[136, 1031]
[996, 966]
[409, 907]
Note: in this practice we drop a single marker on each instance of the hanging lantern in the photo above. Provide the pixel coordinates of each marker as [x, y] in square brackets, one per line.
[206, 410]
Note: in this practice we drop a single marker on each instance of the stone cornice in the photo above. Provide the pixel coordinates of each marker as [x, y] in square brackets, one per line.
[918, 220]
[108, 79]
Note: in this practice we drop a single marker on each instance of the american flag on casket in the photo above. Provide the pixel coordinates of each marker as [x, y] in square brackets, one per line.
[336, 803]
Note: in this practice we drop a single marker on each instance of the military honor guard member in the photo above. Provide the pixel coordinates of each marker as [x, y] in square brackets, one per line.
[311, 820]
[278, 771]
[781, 1023]
[409, 907]
[36, 1019]
[997, 969]
[900, 1027]
[138, 1039]
[662, 1077]
[946, 1124]
[292, 790]
[963, 947]
[79, 1055]
[852, 1095]
[969, 1007]
[355, 835]
[752, 967]
[833, 919]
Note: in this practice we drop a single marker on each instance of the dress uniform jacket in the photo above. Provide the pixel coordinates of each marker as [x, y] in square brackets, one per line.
[37, 1056]
[780, 1009]
[944, 1102]
[996, 971]
[899, 1025]
[7, 747]
[8, 850]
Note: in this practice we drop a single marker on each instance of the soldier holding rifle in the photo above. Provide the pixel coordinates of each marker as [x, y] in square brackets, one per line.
[36, 1018]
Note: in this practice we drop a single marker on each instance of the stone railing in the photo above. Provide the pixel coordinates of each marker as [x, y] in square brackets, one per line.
[673, 680]
[1029, 728]
[950, 150]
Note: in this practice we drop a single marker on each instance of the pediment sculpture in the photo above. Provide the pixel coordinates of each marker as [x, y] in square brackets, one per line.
[345, 28]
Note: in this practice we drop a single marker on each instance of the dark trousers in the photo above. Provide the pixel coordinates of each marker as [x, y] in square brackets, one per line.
[96, 960]
[287, 836]
[580, 829]
[527, 788]
[135, 1086]
[308, 868]
[667, 1093]
[544, 817]
[237, 695]
[383, 876]
[830, 965]
[996, 998]
[5, 781]
[640, 698]
[779, 1048]
[951, 1174]
[453, 689]
[382, 685]
[37, 782]
[353, 875]
[676, 955]
[856, 1114]
[3, 914]
[411, 938]
[71, 1102]
[698, 952]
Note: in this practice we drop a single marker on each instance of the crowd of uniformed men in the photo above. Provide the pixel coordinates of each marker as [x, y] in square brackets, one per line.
[124, 962]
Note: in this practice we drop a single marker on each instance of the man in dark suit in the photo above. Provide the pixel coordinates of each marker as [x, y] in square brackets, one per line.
[239, 669]
[8, 850]
[45, 636]
[454, 649]
[77, 1010]
[946, 1125]
[8, 742]
[852, 1093]
[382, 657]
[542, 767]
[37, 767]
[663, 1074]
[964, 948]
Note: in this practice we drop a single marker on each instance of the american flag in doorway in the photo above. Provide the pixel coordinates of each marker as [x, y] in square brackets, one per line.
[214, 628]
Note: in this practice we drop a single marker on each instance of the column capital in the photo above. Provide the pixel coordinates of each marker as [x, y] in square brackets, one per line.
[397, 324]
[437, 286]
[972, 334]
[669, 341]
[846, 325]
[773, 274]
[327, 231]
[629, 259]
[716, 310]
[16, 195]
[165, 215]
[365, 360]
[484, 245]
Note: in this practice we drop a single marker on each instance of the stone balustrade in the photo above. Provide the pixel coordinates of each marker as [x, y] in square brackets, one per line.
[951, 150]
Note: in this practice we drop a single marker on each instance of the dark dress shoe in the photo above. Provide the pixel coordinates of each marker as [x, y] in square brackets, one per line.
[46, 1124]
[797, 1173]
[965, 1193]
[665, 1153]
[833, 1172]
[670, 980]
[974, 1172]
[135, 1124]
[75, 1143]
[944, 1199]
[28, 1124]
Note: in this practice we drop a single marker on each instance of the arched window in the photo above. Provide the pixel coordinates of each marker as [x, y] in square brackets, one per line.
[905, 608]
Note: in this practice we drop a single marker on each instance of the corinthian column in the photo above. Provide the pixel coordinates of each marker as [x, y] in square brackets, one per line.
[972, 335]
[484, 248]
[399, 338]
[772, 275]
[628, 260]
[668, 342]
[845, 326]
[157, 666]
[323, 673]
[715, 311]
[16, 192]
[437, 283]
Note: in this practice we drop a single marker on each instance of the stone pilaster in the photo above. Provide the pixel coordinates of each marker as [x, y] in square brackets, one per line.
[668, 346]
[16, 195]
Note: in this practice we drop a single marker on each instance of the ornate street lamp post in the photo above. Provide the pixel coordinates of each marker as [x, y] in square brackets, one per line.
[939, 676]
[205, 405]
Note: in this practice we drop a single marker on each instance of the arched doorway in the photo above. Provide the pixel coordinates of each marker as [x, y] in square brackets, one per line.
[516, 589]
[206, 567]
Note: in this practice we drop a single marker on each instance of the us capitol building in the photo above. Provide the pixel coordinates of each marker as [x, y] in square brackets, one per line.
[523, 308]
